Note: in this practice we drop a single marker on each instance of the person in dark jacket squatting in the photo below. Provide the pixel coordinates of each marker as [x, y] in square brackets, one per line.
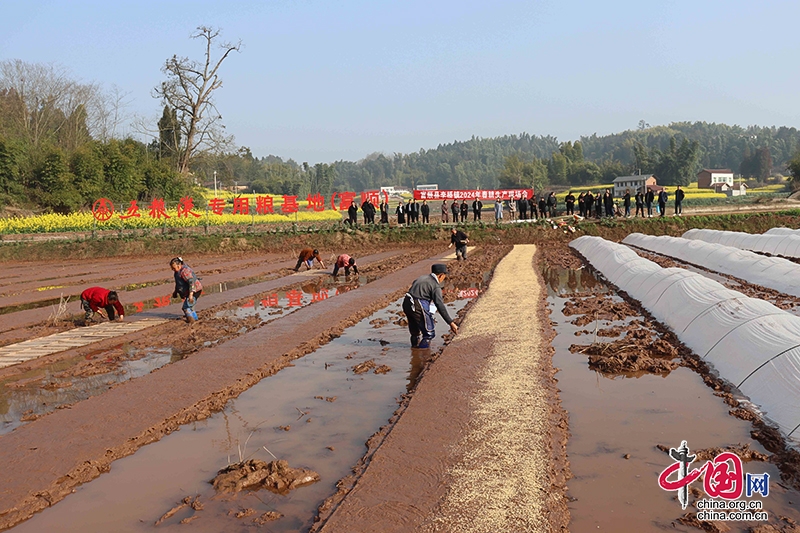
[424, 293]
[346, 262]
[94, 299]
[459, 238]
[307, 256]
[187, 286]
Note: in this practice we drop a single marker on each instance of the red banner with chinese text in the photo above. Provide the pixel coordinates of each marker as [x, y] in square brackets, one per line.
[486, 194]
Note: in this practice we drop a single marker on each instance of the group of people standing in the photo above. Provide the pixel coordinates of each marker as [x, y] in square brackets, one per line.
[520, 208]
[461, 210]
[601, 205]
[533, 208]
[369, 211]
[410, 212]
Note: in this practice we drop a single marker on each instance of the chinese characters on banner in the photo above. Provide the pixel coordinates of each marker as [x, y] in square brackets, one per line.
[489, 194]
[103, 208]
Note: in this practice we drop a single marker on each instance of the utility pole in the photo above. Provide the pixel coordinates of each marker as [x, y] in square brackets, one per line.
[215, 184]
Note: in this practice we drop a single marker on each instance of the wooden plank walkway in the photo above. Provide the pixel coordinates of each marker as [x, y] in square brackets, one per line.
[25, 351]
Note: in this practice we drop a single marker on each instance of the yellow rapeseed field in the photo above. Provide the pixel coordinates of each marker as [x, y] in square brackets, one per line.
[84, 221]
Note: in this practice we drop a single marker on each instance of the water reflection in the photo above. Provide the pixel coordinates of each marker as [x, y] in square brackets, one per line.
[42, 390]
[569, 281]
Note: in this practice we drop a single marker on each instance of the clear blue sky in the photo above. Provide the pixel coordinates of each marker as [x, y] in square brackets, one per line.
[325, 80]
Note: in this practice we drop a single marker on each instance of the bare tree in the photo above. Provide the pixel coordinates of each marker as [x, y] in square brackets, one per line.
[45, 103]
[189, 90]
[115, 104]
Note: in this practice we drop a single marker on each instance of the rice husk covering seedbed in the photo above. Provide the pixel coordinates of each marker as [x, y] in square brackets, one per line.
[476, 463]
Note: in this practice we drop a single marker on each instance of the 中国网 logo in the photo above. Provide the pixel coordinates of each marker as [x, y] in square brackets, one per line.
[724, 482]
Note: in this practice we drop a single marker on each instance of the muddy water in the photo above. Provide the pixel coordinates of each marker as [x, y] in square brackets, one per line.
[618, 416]
[280, 303]
[40, 391]
[138, 307]
[141, 488]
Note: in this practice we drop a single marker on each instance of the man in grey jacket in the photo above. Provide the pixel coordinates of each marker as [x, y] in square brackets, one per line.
[425, 293]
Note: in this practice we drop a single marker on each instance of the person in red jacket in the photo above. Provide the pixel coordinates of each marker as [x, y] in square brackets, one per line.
[346, 262]
[94, 299]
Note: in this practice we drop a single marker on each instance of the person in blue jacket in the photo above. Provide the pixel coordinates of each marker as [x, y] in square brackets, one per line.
[424, 294]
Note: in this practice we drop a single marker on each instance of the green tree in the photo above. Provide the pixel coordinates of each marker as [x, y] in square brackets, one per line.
[87, 167]
[584, 173]
[757, 164]
[169, 134]
[794, 170]
[518, 173]
[57, 184]
[513, 172]
[558, 168]
[10, 156]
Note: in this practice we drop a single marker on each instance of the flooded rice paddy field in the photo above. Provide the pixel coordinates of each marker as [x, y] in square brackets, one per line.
[631, 391]
[629, 399]
[315, 414]
[27, 396]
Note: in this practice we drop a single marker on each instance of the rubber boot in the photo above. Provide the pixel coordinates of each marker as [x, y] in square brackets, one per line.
[414, 342]
[189, 315]
[194, 314]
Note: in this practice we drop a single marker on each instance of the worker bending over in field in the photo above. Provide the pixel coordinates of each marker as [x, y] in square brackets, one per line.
[425, 293]
[187, 286]
[94, 299]
[307, 256]
[459, 238]
[346, 262]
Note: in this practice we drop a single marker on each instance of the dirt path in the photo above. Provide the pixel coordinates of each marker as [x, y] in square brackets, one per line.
[480, 447]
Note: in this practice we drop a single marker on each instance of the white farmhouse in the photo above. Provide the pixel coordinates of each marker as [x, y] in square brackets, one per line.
[707, 177]
[634, 183]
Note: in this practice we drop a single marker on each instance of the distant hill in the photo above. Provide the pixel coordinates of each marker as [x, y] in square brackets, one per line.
[479, 162]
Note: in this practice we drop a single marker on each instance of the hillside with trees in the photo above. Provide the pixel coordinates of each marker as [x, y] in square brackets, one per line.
[675, 153]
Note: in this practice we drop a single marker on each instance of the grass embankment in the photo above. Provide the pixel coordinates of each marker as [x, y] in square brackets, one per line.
[341, 239]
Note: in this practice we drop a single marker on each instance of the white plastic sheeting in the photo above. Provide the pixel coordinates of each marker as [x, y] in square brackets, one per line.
[782, 231]
[772, 272]
[750, 342]
[785, 245]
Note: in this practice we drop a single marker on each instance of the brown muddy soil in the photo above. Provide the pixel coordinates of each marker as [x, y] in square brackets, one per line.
[785, 525]
[214, 375]
[557, 254]
[390, 484]
[184, 341]
[254, 474]
[175, 395]
[643, 326]
[594, 308]
[640, 350]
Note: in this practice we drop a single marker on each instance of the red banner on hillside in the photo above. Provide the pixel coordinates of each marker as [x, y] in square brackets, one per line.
[487, 194]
